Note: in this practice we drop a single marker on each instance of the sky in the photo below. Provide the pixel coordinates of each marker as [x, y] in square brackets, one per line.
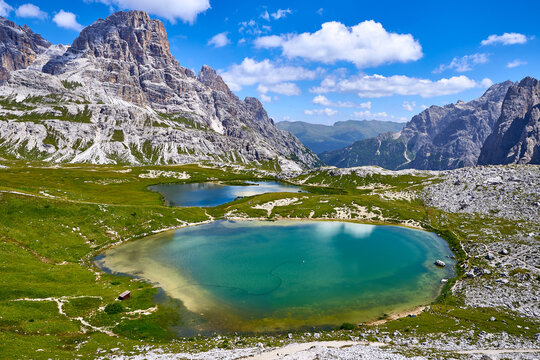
[328, 61]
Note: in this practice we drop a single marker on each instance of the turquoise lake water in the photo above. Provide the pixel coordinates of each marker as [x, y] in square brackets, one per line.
[265, 276]
[212, 194]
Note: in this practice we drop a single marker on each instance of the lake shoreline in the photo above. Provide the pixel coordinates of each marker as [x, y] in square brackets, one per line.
[392, 315]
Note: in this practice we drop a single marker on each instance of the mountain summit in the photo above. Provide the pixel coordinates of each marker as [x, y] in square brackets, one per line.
[516, 135]
[117, 95]
[20, 47]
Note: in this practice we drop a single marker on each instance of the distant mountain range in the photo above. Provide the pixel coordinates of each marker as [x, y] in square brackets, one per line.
[117, 95]
[500, 127]
[321, 138]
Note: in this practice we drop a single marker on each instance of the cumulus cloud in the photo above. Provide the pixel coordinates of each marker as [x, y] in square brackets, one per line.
[5, 8]
[30, 11]
[324, 101]
[265, 98]
[268, 41]
[368, 115]
[284, 88]
[516, 63]
[464, 63]
[373, 86]
[326, 111]
[505, 39]
[281, 13]
[251, 72]
[365, 44]
[408, 106]
[172, 10]
[67, 20]
[486, 82]
[219, 40]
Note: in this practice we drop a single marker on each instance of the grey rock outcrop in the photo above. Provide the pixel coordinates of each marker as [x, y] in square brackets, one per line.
[118, 95]
[439, 138]
[19, 47]
[516, 137]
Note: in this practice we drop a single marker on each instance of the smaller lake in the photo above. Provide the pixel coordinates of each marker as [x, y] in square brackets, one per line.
[213, 194]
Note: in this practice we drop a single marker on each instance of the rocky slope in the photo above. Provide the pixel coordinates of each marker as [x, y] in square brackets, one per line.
[118, 95]
[321, 138]
[438, 138]
[516, 137]
[20, 47]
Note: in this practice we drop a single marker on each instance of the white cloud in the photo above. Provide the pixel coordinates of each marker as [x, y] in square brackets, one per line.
[373, 86]
[324, 101]
[320, 11]
[464, 63]
[365, 105]
[326, 111]
[172, 10]
[265, 98]
[284, 88]
[251, 72]
[505, 39]
[365, 44]
[368, 115]
[251, 27]
[408, 106]
[321, 100]
[67, 20]
[219, 40]
[281, 13]
[265, 15]
[30, 11]
[486, 82]
[5, 8]
[268, 41]
[516, 63]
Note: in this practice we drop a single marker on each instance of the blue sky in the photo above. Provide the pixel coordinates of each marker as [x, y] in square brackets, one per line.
[320, 61]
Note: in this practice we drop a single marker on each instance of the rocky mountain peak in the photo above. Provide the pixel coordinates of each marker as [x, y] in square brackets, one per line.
[496, 92]
[126, 99]
[20, 47]
[516, 135]
[210, 78]
[130, 36]
[528, 82]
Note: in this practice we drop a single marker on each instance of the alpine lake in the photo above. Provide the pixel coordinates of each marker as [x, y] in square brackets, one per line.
[265, 276]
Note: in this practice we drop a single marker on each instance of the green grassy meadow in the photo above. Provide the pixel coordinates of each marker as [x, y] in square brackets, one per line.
[55, 219]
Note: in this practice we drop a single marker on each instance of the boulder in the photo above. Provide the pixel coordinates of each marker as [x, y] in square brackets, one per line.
[440, 263]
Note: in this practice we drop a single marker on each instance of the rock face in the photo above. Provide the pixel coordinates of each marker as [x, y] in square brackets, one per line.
[20, 47]
[438, 138]
[117, 95]
[516, 137]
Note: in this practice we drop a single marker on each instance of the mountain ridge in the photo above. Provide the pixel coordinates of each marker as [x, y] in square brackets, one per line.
[516, 135]
[441, 138]
[321, 138]
[117, 95]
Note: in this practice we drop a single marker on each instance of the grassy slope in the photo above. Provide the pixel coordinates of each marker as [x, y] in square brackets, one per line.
[46, 247]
